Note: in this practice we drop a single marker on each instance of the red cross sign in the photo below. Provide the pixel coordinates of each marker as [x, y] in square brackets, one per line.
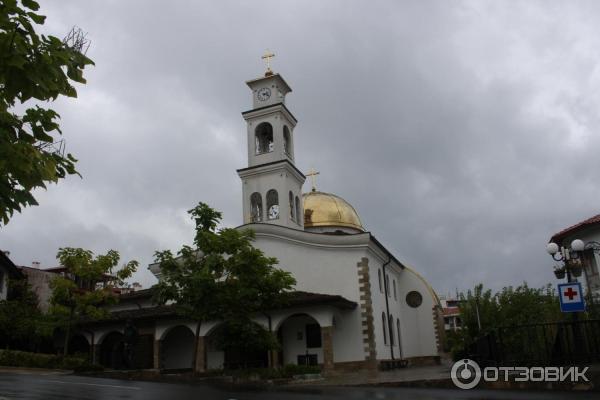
[571, 299]
[570, 293]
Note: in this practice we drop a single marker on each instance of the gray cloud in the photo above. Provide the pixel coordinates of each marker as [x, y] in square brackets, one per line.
[463, 132]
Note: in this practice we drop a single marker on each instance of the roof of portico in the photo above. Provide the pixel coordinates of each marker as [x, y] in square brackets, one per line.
[298, 299]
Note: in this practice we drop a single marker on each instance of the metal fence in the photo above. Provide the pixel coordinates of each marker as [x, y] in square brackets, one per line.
[545, 344]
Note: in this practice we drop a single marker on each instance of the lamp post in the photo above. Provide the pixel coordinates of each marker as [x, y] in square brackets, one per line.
[570, 257]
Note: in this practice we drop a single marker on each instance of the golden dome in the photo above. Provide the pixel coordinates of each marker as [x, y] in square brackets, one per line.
[326, 209]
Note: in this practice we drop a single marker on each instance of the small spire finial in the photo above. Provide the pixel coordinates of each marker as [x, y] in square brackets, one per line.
[313, 177]
[267, 57]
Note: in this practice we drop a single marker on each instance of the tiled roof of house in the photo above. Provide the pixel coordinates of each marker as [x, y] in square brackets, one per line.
[558, 237]
[451, 311]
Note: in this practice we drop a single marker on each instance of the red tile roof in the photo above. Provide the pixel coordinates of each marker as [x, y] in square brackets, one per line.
[451, 311]
[558, 237]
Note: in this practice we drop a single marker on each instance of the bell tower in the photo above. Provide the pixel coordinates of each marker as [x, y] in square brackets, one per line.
[271, 184]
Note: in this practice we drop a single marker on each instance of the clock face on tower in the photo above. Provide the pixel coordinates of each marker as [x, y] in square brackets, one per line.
[274, 212]
[263, 94]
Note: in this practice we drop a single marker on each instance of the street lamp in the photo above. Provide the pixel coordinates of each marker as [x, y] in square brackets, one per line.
[571, 258]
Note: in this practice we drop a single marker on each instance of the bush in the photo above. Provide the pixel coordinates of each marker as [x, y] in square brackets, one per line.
[11, 358]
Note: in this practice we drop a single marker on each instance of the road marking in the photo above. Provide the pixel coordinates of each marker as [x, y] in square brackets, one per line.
[94, 384]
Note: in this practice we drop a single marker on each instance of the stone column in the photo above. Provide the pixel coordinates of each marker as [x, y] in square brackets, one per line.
[94, 353]
[97, 354]
[201, 355]
[156, 354]
[327, 336]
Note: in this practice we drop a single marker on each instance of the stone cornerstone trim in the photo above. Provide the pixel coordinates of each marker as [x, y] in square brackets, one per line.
[327, 335]
[366, 311]
[438, 323]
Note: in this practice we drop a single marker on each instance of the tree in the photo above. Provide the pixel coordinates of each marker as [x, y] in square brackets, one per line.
[508, 307]
[32, 67]
[87, 286]
[19, 316]
[222, 277]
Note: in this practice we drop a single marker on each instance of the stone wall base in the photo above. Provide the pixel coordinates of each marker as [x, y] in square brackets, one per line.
[423, 361]
[373, 365]
[351, 366]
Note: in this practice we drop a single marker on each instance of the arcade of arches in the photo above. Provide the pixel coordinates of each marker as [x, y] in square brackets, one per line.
[170, 347]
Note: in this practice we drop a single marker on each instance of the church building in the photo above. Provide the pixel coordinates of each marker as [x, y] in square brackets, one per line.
[356, 305]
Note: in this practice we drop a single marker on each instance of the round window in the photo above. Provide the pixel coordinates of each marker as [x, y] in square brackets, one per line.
[414, 299]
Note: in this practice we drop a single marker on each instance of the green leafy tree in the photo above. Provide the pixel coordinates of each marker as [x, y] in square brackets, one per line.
[19, 316]
[482, 312]
[32, 68]
[87, 286]
[223, 277]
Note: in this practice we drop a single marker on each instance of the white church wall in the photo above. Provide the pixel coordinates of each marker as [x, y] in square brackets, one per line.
[416, 324]
[316, 269]
[347, 336]
[378, 304]
[417, 329]
[325, 270]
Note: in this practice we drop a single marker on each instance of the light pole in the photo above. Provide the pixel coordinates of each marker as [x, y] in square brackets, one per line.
[570, 257]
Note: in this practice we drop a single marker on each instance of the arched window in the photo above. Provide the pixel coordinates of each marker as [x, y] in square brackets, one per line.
[398, 333]
[395, 296]
[391, 327]
[292, 211]
[384, 325]
[298, 211]
[287, 141]
[264, 138]
[272, 204]
[256, 207]
[387, 285]
[379, 276]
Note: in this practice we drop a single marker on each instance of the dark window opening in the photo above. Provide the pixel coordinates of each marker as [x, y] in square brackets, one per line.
[313, 336]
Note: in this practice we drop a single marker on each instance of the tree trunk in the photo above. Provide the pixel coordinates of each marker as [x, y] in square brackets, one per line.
[196, 340]
[68, 333]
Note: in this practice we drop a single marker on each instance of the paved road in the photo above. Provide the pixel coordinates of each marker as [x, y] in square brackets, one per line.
[66, 387]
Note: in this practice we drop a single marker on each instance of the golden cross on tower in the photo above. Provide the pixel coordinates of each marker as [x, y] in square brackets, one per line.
[267, 57]
[313, 177]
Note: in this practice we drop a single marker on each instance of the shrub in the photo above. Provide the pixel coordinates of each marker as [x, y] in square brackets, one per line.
[11, 358]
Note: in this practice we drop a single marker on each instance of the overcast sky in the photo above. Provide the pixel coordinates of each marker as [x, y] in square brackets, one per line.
[464, 133]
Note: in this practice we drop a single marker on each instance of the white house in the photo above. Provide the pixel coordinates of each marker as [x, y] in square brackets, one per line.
[588, 231]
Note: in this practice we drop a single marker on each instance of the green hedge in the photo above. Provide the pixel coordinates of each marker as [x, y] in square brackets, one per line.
[12, 358]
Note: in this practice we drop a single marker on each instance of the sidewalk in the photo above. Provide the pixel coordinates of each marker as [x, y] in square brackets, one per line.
[410, 375]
